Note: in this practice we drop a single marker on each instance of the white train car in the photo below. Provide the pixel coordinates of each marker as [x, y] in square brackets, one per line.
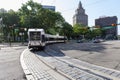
[36, 38]
[54, 38]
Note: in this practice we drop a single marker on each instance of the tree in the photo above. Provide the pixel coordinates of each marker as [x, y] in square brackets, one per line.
[67, 30]
[96, 32]
[51, 19]
[29, 14]
[79, 30]
[9, 19]
[32, 15]
[89, 35]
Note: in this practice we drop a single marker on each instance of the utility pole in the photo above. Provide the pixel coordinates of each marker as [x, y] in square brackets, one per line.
[2, 33]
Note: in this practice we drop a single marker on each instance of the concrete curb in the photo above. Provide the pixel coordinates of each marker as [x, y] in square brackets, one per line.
[25, 69]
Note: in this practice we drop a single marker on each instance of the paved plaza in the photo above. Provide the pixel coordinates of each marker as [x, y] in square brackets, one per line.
[104, 55]
[76, 50]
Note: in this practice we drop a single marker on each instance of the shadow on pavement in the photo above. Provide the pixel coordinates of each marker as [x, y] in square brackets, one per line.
[48, 52]
[95, 47]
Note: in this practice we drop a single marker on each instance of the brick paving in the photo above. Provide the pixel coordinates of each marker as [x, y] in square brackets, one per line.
[37, 70]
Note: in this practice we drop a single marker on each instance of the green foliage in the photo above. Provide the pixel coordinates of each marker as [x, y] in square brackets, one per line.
[29, 14]
[67, 29]
[96, 32]
[89, 35]
[10, 18]
[51, 31]
[32, 15]
[80, 29]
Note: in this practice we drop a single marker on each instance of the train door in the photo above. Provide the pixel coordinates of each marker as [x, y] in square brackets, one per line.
[43, 38]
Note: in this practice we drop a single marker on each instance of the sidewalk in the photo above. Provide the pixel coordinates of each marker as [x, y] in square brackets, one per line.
[10, 67]
[35, 69]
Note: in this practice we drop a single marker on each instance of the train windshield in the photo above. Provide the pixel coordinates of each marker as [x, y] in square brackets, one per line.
[35, 35]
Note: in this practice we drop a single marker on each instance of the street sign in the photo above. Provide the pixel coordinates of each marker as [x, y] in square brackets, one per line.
[108, 27]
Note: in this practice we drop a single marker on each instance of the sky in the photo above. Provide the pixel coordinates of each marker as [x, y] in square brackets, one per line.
[93, 8]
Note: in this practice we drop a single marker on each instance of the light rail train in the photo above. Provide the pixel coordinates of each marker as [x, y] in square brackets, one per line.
[37, 39]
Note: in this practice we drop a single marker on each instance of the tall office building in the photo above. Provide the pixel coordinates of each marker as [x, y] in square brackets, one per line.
[105, 22]
[80, 17]
[49, 7]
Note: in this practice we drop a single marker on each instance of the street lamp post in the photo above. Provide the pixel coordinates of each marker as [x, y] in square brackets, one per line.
[25, 29]
[1, 29]
[9, 39]
[2, 32]
[22, 35]
[29, 8]
[14, 25]
[10, 35]
[21, 39]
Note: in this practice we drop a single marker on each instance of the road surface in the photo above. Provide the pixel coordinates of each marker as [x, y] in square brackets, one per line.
[10, 67]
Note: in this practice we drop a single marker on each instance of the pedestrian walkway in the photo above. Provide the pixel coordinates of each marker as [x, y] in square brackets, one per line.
[35, 69]
[10, 67]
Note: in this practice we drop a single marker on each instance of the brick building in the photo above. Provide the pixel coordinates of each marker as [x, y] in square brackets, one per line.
[105, 22]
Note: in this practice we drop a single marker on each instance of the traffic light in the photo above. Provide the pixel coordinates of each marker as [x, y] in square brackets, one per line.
[113, 24]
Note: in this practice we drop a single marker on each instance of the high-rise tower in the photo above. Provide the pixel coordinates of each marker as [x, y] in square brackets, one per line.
[80, 17]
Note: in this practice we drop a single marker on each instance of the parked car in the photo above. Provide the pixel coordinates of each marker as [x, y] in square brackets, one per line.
[96, 41]
[79, 41]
